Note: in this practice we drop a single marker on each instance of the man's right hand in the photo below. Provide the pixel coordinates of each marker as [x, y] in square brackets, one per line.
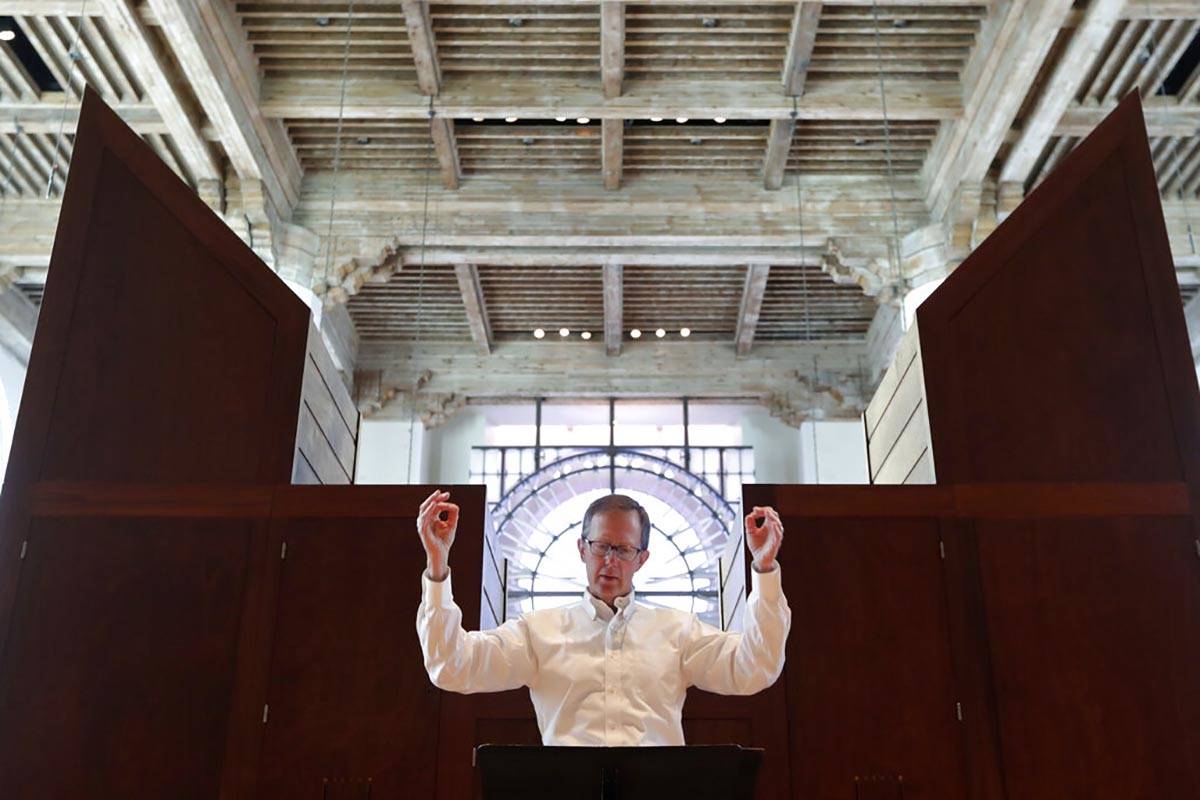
[437, 534]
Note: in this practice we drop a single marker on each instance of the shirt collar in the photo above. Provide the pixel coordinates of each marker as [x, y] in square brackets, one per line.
[595, 607]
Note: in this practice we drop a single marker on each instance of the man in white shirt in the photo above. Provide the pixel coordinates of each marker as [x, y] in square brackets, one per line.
[604, 671]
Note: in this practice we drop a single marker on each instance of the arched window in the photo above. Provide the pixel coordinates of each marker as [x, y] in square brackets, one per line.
[689, 491]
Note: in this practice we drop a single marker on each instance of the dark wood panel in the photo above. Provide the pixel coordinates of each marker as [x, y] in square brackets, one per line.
[1058, 351]
[348, 695]
[1095, 640]
[165, 350]
[120, 661]
[869, 676]
[349, 698]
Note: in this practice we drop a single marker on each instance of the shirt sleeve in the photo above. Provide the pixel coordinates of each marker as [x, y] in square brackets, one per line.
[470, 661]
[725, 662]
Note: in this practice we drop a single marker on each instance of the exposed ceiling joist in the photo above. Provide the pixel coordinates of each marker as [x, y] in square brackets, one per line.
[800, 47]
[424, 46]
[165, 91]
[612, 47]
[612, 143]
[216, 56]
[473, 302]
[613, 308]
[1164, 117]
[753, 290]
[779, 145]
[48, 114]
[1013, 43]
[498, 97]
[446, 148]
[1070, 71]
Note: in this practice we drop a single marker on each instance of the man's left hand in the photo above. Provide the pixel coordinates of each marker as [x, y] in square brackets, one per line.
[764, 539]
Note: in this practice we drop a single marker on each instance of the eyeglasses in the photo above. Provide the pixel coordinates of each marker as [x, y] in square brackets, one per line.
[622, 551]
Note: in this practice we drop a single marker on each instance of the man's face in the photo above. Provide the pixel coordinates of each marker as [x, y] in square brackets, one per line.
[610, 577]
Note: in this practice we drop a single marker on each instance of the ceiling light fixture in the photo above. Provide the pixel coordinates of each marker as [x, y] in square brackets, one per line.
[656, 119]
[585, 335]
[477, 119]
[635, 334]
[322, 22]
[583, 120]
[660, 333]
[564, 332]
[538, 333]
[527, 140]
[510, 119]
[363, 140]
[719, 120]
[560, 119]
[7, 35]
[685, 332]
[681, 120]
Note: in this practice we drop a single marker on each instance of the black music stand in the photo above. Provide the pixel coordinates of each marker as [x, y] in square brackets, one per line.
[727, 772]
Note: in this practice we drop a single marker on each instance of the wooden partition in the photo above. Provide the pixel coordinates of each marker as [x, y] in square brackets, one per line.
[994, 641]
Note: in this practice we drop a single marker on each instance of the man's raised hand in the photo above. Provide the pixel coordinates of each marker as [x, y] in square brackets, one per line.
[437, 534]
[764, 539]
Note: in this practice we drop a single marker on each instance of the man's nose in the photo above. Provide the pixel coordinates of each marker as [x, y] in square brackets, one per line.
[611, 554]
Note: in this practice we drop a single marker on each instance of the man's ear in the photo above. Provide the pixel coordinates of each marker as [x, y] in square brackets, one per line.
[582, 549]
[642, 557]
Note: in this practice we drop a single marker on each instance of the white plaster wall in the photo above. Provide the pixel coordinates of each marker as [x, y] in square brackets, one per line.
[383, 452]
[833, 451]
[12, 381]
[776, 446]
[450, 445]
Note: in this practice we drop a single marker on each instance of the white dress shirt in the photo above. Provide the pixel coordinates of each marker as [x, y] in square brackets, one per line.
[601, 678]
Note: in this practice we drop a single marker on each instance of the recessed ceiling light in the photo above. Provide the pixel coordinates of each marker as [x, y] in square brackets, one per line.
[363, 140]
[477, 119]
[583, 120]
[564, 332]
[696, 140]
[719, 120]
[660, 333]
[899, 23]
[685, 332]
[585, 335]
[656, 119]
[515, 22]
[538, 333]
[526, 140]
[322, 22]
[635, 334]
[510, 119]
[681, 120]
[560, 119]
[859, 141]
[709, 22]
[7, 35]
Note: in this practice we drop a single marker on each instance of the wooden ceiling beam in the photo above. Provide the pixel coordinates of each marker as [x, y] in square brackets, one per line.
[215, 53]
[779, 145]
[753, 290]
[612, 47]
[473, 302]
[612, 144]
[613, 308]
[46, 115]
[1013, 41]
[424, 46]
[1072, 67]
[800, 47]
[166, 90]
[1164, 117]
[429, 82]
[543, 98]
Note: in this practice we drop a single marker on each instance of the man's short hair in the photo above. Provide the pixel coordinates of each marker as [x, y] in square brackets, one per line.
[617, 502]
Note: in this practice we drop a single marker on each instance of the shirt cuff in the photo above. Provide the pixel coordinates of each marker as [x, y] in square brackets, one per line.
[437, 593]
[767, 585]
